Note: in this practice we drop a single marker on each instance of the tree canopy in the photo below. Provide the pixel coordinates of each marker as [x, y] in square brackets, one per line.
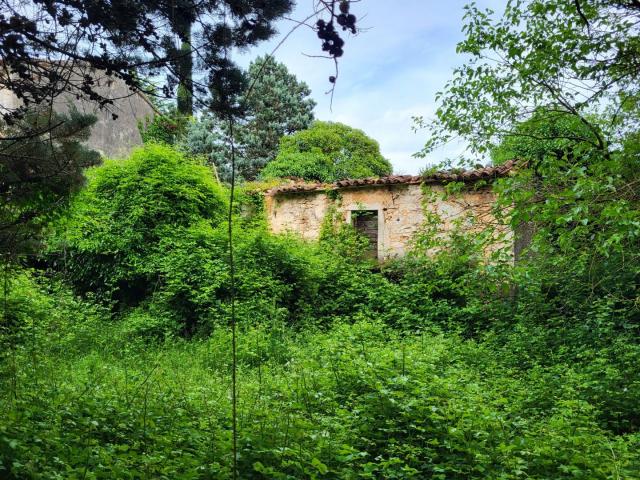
[544, 136]
[278, 104]
[38, 173]
[327, 152]
[551, 57]
[275, 103]
[48, 47]
[555, 83]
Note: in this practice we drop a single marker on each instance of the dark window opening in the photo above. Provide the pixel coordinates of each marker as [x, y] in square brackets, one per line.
[366, 223]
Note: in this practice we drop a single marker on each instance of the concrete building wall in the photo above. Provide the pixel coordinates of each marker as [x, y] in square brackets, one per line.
[401, 211]
[113, 138]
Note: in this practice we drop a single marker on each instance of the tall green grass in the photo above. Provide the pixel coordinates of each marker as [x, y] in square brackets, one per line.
[84, 399]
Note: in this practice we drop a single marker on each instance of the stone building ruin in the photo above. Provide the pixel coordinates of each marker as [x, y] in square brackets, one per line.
[388, 210]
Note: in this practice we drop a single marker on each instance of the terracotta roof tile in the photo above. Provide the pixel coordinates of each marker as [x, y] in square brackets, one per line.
[485, 173]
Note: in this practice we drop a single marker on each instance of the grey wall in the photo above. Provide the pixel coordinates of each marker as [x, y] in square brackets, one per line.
[112, 138]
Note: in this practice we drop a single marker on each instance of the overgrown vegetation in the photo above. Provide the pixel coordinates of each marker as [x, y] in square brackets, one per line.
[357, 401]
[453, 362]
[442, 366]
[326, 152]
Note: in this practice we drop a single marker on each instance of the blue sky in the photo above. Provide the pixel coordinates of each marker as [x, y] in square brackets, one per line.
[388, 73]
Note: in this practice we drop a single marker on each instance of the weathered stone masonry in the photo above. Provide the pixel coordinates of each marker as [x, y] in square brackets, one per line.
[398, 202]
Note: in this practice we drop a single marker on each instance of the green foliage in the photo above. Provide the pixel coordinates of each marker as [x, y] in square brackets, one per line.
[451, 363]
[41, 317]
[545, 136]
[165, 128]
[275, 104]
[207, 137]
[340, 237]
[133, 38]
[41, 164]
[148, 236]
[550, 83]
[356, 401]
[327, 152]
[117, 228]
[568, 59]
[447, 364]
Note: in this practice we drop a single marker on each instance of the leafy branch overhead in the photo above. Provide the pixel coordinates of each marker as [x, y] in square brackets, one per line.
[47, 46]
[570, 58]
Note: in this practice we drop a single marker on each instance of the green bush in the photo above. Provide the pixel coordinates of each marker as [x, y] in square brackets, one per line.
[357, 401]
[148, 235]
[327, 152]
[43, 316]
[116, 233]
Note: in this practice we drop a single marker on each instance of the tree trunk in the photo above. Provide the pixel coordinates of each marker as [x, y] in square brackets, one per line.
[185, 72]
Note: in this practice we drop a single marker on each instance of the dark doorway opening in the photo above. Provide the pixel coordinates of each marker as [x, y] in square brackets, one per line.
[366, 223]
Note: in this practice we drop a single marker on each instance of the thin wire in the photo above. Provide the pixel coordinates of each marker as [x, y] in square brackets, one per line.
[232, 293]
[232, 272]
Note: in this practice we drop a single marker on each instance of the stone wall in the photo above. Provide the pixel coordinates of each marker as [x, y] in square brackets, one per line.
[401, 211]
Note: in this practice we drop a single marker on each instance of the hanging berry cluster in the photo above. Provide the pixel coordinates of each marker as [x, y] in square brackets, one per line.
[345, 19]
[332, 43]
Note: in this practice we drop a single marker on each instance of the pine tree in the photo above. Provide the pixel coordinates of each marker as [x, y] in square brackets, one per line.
[278, 105]
[38, 172]
[275, 103]
[46, 47]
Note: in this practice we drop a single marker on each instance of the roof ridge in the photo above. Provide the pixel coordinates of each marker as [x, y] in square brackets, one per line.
[441, 176]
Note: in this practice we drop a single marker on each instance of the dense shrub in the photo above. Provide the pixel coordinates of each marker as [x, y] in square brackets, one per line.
[357, 401]
[327, 152]
[40, 317]
[149, 236]
[115, 235]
